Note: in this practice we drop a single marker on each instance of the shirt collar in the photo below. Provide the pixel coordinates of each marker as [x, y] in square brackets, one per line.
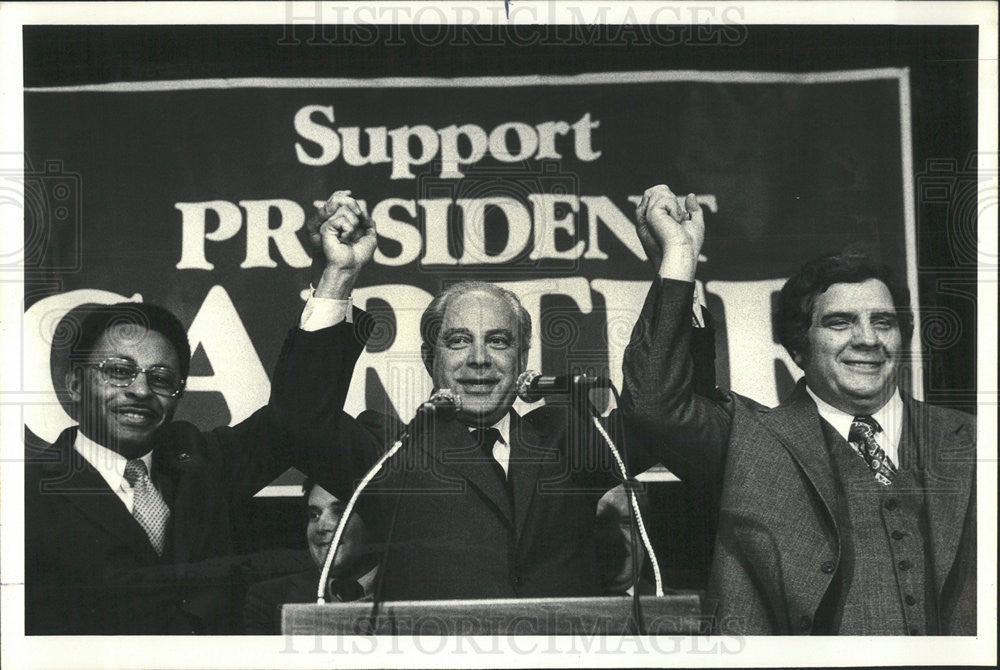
[889, 417]
[503, 426]
[367, 581]
[109, 463]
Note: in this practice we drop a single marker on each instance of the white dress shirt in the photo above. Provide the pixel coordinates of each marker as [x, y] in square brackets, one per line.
[501, 449]
[111, 465]
[320, 313]
[889, 417]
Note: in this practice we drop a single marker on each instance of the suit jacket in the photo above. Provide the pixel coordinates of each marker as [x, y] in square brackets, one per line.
[776, 487]
[90, 568]
[454, 529]
[262, 612]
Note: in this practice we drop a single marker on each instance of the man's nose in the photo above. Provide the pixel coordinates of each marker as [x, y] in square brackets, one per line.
[479, 355]
[864, 334]
[139, 386]
[328, 521]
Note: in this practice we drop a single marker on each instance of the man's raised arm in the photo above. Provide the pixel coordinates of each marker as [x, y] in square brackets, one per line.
[688, 432]
[318, 359]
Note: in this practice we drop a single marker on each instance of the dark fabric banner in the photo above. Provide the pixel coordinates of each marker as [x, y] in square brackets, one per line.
[193, 195]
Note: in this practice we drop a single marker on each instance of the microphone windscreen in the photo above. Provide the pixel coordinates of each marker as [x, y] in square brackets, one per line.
[523, 385]
[442, 403]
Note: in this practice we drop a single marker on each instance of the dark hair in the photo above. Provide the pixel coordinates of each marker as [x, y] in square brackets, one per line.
[851, 266]
[101, 318]
[307, 486]
[433, 316]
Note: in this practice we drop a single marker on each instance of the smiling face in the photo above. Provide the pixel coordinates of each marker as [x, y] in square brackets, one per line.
[124, 418]
[854, 342]
[478, 356]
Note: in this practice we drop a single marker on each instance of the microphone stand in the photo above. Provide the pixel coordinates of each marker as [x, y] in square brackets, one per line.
[579, 391]
[442, 400]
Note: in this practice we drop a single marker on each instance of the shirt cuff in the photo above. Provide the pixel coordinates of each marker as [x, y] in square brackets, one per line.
[699, 305]
[322, 313]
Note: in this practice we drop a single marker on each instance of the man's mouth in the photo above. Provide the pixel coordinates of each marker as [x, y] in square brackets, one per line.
[136, 415]
[478, 386]
[864, 365]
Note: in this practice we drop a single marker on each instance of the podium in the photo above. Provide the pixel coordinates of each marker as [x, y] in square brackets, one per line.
[675, 614]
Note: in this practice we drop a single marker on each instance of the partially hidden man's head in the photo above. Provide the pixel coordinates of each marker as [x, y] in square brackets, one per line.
[845, 319]
[127, 370]
[476, 338]
[323, 514]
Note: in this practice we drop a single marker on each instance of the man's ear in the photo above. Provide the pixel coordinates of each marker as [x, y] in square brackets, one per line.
[427, 355]
[74, 383]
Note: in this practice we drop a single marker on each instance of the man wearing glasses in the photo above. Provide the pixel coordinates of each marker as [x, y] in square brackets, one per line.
[128, 515]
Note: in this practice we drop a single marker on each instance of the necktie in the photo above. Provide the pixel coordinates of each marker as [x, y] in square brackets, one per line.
[148, 507]
[862, 438]
[486, 438]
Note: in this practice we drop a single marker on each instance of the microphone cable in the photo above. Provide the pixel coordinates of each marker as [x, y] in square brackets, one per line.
[332, 551]
[577, 388]
[578, 393]
[634, 503]
[443, 398]
[638, 619]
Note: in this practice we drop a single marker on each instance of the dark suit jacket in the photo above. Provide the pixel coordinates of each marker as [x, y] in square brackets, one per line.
[262, 612]
[455, 532]
[90, 568]
[776, 484]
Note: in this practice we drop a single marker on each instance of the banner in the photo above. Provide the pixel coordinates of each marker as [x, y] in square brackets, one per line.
[193, 194]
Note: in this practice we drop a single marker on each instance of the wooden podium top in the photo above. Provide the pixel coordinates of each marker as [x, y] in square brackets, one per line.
[678, 613]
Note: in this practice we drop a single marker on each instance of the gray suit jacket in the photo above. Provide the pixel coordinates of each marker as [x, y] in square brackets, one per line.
[776, 488]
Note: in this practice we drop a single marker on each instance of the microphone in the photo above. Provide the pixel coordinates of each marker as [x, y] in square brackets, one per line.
[533, 385]
[442, 403]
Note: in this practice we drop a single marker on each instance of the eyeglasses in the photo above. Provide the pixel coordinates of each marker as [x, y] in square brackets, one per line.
[121, 372]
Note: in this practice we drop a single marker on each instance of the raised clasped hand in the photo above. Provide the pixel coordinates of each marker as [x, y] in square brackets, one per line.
[671, 229]
[344, 231]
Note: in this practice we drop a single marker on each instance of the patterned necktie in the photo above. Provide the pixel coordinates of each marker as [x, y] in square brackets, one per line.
[862, 438]
[148, 507]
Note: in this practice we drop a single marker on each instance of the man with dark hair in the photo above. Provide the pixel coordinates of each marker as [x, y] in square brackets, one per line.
[128, 515]
[797, 298]
[482, 504]
[101, 364]
[352, 573]
[848, 509]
